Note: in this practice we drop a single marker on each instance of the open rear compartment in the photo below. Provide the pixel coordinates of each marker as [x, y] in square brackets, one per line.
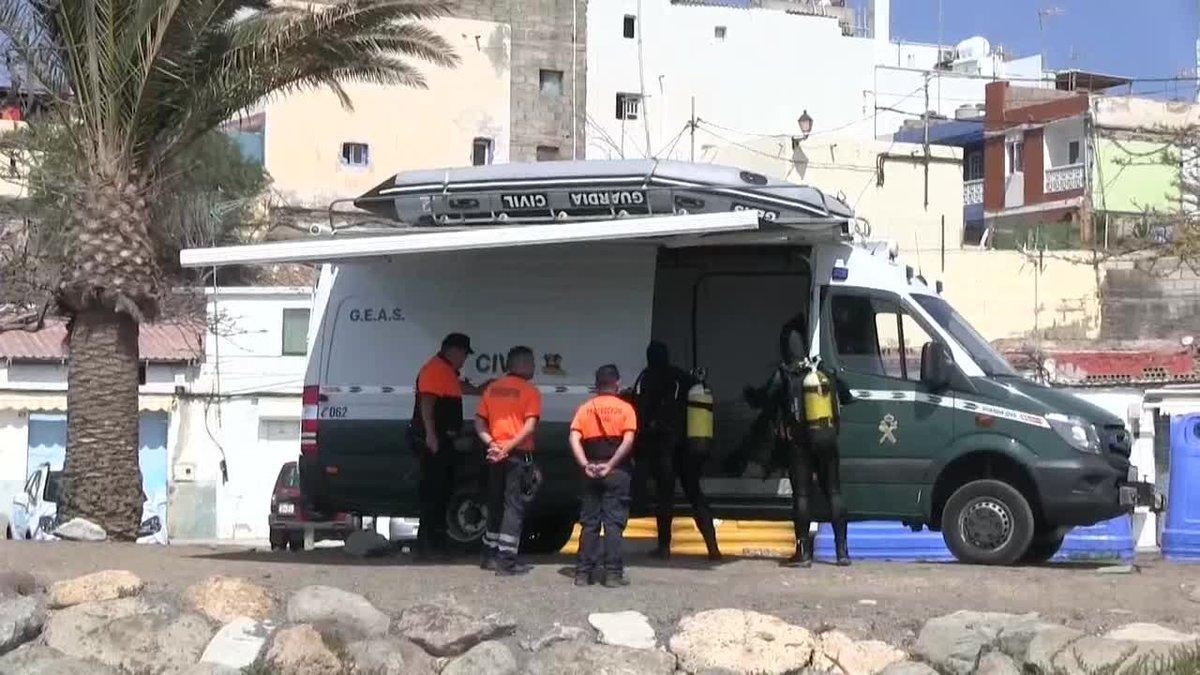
[722, 308]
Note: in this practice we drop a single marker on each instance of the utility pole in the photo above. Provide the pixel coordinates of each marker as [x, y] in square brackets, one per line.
[925, 142]
[692, 128]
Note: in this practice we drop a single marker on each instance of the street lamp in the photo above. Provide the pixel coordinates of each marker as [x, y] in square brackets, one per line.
[805, 123]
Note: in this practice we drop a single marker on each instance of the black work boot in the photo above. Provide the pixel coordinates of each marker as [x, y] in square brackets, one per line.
[513, 570]
[584, 578]
[615, 579]
[710, 541]
[488, 561]
[803, 555]
[839, 543]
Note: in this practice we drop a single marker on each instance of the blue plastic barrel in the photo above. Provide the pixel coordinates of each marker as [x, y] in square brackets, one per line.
[1106, 540]
[884, 540]
[1181, 533]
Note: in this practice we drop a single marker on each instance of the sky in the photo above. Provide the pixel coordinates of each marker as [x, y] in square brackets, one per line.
[1138, 38]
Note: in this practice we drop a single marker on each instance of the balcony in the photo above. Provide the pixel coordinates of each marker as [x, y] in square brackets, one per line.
[1063, 178]
[972, 192]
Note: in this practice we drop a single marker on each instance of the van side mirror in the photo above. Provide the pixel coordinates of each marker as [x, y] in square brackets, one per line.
[936, 365]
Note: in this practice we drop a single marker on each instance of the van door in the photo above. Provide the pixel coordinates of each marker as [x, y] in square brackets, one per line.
[892, 424]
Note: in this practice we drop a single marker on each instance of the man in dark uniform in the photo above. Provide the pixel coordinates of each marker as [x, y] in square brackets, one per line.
[601, 439]
[660, 396]
[505, 421]
[811, 440]
[437, 422]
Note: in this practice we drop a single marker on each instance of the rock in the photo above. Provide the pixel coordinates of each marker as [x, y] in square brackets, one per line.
[1089, 654]
[838, 652]
[72, 625]
[908, 668]
[485, 658]
[80, 529]
[1117, 569]
[1015, 637]
[146, 643]
[203, 668]
[868, 602]
[363, 543]
[299, 650]
[1195, 594]
[95, 587]
[238, 644]
[624, 629]
[997, 663]
[388, 656]
[589, 658]
[21, 620]
[15, 583]
[339, 614]
[41, 660]
[953, 642]
[1150, 632]
[1047, 644]
[224, 599]
[448, 631]
[558, 633]
[741, 641]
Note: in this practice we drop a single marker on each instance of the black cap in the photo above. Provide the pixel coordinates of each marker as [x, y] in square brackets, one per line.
[459, 340]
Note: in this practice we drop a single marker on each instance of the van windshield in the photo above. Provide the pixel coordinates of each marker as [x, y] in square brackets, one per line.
[989, 360]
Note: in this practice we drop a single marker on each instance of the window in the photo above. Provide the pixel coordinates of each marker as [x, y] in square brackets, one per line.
[1073, 152]
[482, 151]
[875, 336]
[547, 153]
[295, 332]
[550, 82]
[50, 492]
[1016, 156]
[628, 106]
[630, 27]
[974, 166]
[356, 154]
[719, 32]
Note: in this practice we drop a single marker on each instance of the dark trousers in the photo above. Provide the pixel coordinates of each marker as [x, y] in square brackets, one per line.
[506, 509]
[437, 483]
[817, 452]
[670, 459]
[605, 502]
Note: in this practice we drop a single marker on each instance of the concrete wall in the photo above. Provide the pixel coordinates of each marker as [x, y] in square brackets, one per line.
[14, 444]
[1150, 302]
[405, 128]
[1132, 176]
[546, 34]
[848, 167]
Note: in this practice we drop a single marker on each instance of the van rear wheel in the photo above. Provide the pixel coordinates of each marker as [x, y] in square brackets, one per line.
[987, 522]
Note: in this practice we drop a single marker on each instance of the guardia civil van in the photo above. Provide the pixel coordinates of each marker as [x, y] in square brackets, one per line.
[586, 262]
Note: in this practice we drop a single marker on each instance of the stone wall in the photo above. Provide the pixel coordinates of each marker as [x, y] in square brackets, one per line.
[1143, 301]
[542, 39]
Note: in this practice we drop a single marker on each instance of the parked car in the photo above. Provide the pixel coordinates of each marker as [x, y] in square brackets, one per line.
[34, 512]
[289, 516]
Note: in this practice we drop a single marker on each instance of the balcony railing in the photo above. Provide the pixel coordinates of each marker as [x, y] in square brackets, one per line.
[1064, 178]
[972, 192]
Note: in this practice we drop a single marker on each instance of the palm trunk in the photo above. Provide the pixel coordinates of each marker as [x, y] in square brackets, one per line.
[101, 478]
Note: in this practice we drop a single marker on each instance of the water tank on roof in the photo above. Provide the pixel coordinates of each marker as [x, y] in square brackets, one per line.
[974, 48]
[969, 111]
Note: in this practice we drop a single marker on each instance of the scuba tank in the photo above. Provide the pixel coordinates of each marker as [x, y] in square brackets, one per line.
[700, 415]
[818, 395]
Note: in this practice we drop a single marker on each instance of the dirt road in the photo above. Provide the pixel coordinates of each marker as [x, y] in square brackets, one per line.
[888, 601]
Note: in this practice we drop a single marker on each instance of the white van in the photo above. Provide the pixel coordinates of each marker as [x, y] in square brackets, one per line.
[586, 262]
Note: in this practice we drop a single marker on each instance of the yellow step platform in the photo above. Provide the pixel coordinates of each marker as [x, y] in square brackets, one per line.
[744, 538]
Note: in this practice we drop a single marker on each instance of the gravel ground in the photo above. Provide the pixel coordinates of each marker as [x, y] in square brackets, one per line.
[888, 601]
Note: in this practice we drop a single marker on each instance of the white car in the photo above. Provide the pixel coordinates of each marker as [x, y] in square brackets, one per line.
[34, 513]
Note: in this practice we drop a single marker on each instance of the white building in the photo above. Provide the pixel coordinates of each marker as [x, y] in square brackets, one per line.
[753, 72]
[220, 409]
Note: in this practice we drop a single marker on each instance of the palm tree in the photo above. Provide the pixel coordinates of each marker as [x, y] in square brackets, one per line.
[136, 82]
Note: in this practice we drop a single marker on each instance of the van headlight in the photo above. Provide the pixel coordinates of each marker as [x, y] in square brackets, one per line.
[1076, 431]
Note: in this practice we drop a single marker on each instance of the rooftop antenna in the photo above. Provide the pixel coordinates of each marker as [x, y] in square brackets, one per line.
[1045, 14]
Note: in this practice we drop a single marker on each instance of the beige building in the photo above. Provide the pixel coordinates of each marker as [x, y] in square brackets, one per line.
[317, 150]
[1002, 293]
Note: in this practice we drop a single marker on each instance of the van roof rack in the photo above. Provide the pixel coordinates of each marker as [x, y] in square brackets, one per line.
[573, 191]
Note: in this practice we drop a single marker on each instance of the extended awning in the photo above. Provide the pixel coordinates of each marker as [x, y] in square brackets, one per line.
[427, 241]
[53, 401]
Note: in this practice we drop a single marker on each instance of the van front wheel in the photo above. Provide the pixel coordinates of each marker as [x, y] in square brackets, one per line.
[987, 522]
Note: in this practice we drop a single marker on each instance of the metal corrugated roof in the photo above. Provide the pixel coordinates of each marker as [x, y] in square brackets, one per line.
[156, 342]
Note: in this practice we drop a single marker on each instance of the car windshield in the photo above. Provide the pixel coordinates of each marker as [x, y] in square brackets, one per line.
[990, 360]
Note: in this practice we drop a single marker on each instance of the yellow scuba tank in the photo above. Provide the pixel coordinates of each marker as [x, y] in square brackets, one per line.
[700, 415]
[818, 397]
